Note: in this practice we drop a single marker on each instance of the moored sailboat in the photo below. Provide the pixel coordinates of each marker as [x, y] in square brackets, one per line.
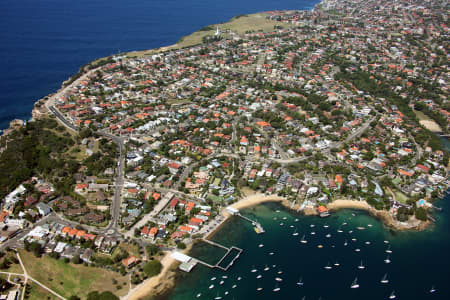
[355, 284]
[361, 266]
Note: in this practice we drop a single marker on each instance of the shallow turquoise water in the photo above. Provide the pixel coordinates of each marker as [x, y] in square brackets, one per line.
[419, 259]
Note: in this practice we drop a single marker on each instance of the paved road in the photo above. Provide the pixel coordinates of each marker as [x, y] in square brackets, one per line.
[355, 134]
[113, 226]
[62, 119]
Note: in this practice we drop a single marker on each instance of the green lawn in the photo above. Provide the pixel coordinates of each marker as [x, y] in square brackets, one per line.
[13, 268]
[252, 22]
[68, 279]
[421, 116]
[401, 197]
[38, 293]
[131, 249]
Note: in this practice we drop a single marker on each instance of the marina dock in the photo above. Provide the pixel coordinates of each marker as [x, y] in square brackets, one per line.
[218, 265]
[227, 260]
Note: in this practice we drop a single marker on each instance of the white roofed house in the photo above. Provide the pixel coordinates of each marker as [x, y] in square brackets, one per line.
[43, 209]
[38, 233]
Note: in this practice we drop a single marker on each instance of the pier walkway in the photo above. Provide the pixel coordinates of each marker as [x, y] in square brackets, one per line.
[258, 227]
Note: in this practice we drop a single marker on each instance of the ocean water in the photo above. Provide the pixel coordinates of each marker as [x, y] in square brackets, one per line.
[419, 260]
[43, 43]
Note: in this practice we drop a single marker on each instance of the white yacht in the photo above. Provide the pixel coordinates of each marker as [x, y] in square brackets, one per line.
[355, 284]
[361, 266]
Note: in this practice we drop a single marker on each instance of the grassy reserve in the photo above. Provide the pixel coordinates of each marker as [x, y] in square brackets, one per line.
[35, 292]
[238, 24]
[69, 279]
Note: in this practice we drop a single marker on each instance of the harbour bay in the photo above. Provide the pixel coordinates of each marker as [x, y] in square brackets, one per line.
[348, 247]
[419, 260]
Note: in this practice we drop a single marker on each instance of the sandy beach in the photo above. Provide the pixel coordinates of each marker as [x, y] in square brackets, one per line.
[346, 203]
[256, 199]
[430, 125]
[156, 284]
[384, 215]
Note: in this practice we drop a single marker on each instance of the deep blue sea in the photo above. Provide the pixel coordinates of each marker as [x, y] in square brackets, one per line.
[44, 42]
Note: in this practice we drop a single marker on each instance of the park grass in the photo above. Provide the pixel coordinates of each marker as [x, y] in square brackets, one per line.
[38, 293]
[131, 249]
[239, 24]
[68, 279]
[427, 122]
[13, 268]
[421, 116]
[401, 197]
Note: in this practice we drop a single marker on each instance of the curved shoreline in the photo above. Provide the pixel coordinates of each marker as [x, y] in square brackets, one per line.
[166, 279]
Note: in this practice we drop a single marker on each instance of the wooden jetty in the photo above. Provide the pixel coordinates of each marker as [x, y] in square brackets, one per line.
[258, 228]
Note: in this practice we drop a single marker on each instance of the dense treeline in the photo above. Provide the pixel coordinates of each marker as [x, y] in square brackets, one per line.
[376, 86]
[35, 149]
